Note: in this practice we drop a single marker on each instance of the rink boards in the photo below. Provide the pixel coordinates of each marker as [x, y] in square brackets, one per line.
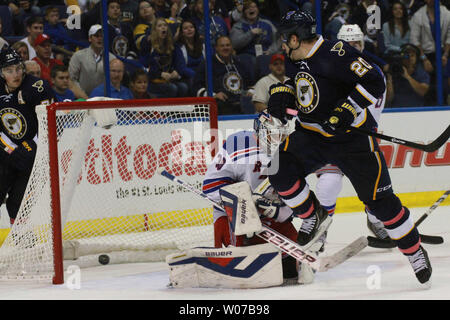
[418, 178]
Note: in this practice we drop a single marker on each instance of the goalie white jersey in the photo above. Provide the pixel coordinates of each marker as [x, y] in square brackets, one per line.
[239, 159]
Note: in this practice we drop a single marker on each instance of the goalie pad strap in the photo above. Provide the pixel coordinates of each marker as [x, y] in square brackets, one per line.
[242, 267]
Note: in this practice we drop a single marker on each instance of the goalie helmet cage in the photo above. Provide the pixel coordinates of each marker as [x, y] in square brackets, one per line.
[95, 190]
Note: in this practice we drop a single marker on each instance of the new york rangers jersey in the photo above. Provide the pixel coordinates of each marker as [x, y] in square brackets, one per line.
[239, 159]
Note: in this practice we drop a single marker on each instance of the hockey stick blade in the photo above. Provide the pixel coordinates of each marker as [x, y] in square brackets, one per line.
[431, 147]
[389, 244]
[344, 254]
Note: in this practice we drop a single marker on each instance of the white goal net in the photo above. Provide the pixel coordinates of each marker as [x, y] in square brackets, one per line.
[100, 185]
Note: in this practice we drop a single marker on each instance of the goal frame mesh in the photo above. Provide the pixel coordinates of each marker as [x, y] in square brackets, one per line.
[54, 158]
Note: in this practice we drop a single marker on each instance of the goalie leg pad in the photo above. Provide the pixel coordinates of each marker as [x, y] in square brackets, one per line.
[244, 267]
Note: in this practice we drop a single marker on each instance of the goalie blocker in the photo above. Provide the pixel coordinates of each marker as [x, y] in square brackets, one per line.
[256, 266]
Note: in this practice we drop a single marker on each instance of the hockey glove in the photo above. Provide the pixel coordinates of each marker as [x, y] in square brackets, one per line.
[281, 97]
[23, 156]
[340, 118]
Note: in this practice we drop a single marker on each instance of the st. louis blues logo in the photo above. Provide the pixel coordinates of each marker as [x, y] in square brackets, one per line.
[307, 92]
[14, 122]
[232, 82]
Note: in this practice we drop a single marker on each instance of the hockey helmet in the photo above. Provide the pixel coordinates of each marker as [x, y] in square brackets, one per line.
[300, 23]
[271, 132]
[351, 32]
[9, 57]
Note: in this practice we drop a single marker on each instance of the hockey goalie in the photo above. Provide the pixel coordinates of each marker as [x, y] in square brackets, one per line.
[237, 178]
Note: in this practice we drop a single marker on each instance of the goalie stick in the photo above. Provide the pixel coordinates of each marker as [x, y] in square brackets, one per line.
[284, 244]
[431, 147]
[388, 243]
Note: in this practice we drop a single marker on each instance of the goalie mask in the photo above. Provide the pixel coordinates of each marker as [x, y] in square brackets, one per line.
[271, 132]
[352, 33]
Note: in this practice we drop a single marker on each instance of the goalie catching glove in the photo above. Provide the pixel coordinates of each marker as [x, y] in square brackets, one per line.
[281, 97]
[340, 118]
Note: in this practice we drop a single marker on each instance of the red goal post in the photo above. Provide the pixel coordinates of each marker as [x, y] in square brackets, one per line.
[94, 190]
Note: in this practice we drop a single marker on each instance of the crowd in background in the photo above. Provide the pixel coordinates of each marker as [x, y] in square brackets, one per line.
[157, 47]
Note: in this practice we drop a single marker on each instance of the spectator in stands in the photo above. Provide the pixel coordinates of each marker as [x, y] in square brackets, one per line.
[277, 74]
[236, 12]
[53, 27]
[35, 27]
[189, 53]
[422, 31]
[396, 30]
[412, 6]
[43, 46]
[22, 49]
[3, 42]
[178, 10]
[86, 65]
[128, 9]
[21, 10]
[120, 33]
[139, 85]
[56, 29]
[144, 19]
[337, 19]
[165, 81]
[61, 80]
[407, 81]
[271, 9]
[231, 80]
[360, 16]
[253, 35]
[33, 68]
[162, 8]
[116, 70]
[218, 26]
[219, 8]
[422, 35]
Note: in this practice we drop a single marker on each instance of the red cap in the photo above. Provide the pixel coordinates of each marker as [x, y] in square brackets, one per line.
[41, 38]
[275, 57]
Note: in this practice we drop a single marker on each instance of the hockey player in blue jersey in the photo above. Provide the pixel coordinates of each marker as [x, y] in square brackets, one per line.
[331, 89]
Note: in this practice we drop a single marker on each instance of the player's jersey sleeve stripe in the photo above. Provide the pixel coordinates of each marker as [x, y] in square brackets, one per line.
[244, 153]
[362, 97]
[211, 185]
[7, 142]
[366, 94]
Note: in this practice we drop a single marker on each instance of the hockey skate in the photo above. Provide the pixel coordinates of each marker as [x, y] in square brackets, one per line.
[314, 226]
[377, 228]
[421, 265]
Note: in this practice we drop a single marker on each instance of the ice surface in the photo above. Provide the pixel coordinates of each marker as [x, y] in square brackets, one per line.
[351, 280]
